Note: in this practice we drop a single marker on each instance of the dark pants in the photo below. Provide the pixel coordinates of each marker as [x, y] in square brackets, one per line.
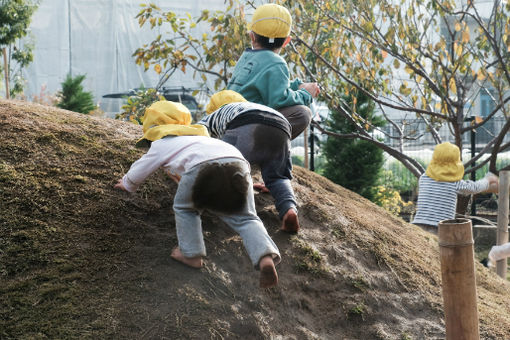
[267, 147]
[299, 117]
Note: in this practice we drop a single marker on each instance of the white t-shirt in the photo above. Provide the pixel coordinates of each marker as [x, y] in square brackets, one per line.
[177, 155]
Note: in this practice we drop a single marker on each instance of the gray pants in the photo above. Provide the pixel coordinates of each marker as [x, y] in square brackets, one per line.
[268, 147]
[246, 223]
[299, 117]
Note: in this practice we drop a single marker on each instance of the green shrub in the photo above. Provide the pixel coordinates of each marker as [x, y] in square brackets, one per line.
[73, 97]
[354, 164]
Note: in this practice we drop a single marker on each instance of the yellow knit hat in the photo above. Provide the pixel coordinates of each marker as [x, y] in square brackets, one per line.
[165, 118]
[271, 21]
[222, 98]
[446, 165]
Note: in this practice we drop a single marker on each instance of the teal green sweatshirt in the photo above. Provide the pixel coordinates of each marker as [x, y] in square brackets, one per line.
[262, 76]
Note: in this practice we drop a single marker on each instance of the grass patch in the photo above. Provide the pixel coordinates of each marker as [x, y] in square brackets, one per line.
[307, 258]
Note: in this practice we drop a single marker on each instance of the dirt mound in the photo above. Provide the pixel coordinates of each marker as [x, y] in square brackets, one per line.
[79, 259]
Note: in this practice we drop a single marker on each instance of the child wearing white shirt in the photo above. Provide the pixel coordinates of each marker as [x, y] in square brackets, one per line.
[211, 175]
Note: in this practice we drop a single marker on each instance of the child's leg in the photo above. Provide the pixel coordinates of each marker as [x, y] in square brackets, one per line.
[248, 225]
[276, 173]
[299, 117]
[195, 262]
[268, 147]
[268, 275]
[188, 224]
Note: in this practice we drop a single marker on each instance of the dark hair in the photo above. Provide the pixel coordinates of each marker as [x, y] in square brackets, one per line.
[220, 187]
[264, 42]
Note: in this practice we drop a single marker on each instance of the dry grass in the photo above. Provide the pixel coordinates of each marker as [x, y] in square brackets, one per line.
[81, 260]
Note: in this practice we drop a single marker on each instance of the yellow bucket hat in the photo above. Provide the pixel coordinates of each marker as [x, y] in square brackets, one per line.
[222, 98]
[165, 118]
[271, 21]
[446, 165]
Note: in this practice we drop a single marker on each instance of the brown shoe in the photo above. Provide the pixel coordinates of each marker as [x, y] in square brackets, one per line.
[290, 222]
[268, 275]
[194, 262]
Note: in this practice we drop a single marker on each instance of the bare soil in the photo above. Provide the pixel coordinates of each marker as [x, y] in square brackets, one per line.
[79, 259]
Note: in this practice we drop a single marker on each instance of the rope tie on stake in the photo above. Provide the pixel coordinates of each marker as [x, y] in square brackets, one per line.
[454, 245]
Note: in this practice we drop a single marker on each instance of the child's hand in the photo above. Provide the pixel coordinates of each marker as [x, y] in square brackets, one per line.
[120, 185]
[312, 88]
[493, 183]
[176, 178]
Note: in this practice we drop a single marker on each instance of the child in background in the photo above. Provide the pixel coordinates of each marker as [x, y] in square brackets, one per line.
[262, 76]
[262, 135]
[499, 253]
[212, 175]
[439, 186]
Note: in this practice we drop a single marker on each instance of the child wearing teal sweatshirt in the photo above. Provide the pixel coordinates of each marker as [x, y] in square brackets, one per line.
[261, 75]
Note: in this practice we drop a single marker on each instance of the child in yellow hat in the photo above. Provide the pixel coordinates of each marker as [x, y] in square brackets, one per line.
[261, 75]
[212, 175]
[262, 135]
[439, 186]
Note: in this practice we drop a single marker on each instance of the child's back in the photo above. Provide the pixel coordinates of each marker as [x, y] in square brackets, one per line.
[440, 185]
[212, 175]
[262, 76]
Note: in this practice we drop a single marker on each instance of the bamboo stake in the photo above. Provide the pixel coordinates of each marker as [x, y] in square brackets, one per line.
[305, 146]
[456, 249]
[502, 238]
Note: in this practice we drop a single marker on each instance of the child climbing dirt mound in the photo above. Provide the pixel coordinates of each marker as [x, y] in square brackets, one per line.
[79, 259]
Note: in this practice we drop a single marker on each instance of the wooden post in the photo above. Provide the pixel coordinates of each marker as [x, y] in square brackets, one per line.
[6, 71]
[502, 237]
[305, 145]
[458, 279]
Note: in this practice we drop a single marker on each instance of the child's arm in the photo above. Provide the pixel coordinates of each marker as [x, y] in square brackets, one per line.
[312, 88]
[275, 89]
[472, 187]
[141, 169]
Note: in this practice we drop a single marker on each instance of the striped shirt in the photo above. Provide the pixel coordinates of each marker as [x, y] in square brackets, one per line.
[437, 201]
[218, 121]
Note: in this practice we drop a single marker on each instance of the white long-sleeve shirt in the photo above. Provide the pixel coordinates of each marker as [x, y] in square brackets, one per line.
[437, 201]
[176, 155]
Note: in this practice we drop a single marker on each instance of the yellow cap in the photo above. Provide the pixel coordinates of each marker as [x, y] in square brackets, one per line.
[271, 21]
[446, 165]
[222, 98]
[164, 118]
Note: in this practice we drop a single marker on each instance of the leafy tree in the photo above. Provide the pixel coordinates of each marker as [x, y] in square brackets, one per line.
[73, 97]
[15, 16]
[213, 54]
[136, 104]
[353, 163]
[427, 59]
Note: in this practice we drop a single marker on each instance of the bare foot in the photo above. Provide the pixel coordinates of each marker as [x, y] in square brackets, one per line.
[290, 221]
[195, 262]
[268, 275]
[261, 187]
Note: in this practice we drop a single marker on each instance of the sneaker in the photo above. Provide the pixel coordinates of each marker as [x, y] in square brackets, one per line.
[290, 223]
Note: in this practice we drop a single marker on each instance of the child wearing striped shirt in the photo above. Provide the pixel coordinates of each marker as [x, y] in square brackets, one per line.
[440, 185]
[262, 135]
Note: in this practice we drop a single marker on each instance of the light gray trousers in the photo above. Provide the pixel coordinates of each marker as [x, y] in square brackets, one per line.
[246, 223]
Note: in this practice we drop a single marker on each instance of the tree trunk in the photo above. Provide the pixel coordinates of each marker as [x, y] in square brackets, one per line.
[6, 71]
[462, 204]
